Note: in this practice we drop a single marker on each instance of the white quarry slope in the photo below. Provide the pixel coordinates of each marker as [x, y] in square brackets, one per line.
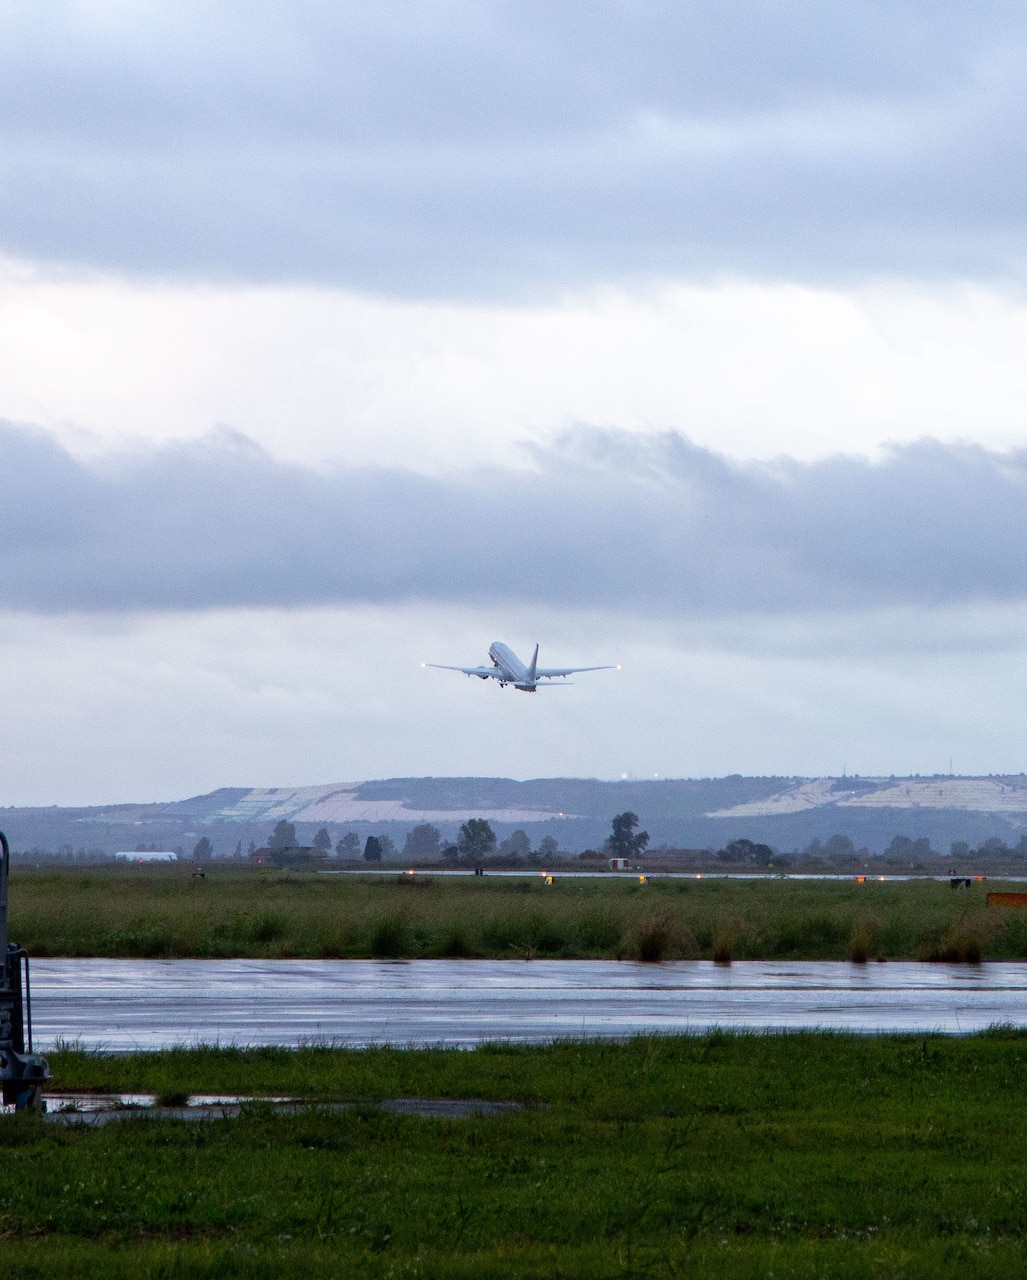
[812, 793]
[338, 802]
[975, 795]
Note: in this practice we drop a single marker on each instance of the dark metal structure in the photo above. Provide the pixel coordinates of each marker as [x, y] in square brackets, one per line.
[294, 856]
[22, 1072]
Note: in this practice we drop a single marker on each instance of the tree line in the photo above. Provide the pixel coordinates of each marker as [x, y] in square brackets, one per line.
[475, 842]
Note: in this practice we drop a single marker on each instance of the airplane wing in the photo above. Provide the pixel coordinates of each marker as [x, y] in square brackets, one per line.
[483, 672]
[551, 673]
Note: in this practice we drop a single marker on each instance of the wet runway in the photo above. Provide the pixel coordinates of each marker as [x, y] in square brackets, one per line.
[147, 1004]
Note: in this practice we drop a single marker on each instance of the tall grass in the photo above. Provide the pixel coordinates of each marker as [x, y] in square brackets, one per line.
[164, 912]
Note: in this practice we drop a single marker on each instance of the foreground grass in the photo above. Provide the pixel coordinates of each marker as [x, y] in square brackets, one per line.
[722, 1156]
[165, 912]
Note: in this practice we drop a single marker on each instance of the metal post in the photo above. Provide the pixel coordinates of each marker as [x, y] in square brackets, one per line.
[22, 1074]
[28, 1000]
[5, 869]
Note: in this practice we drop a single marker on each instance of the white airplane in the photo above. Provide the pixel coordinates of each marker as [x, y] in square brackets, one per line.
[507, 668]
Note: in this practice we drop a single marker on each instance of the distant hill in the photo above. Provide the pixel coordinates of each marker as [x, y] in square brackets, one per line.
[694, 813]
[786, 813]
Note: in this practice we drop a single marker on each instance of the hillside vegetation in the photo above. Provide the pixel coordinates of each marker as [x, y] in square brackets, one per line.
[787, 813]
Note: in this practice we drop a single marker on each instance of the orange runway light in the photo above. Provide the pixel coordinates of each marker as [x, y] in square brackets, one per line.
[861, 879]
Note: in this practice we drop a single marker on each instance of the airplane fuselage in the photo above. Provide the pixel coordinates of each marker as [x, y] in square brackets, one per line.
[512, 670]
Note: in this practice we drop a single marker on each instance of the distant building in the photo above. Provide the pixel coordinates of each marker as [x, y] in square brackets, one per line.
[620, 864]
[297, 855]
[148, 856]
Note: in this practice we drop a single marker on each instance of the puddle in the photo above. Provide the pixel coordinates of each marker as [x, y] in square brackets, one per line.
[90, 1102]
[101, 1109]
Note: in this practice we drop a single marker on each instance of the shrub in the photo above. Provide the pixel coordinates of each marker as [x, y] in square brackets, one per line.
[597, 932]
[966, 941]
[721, 950]
[455, 945]
[172, 1098]
[861, 941]
[268, 927]
[505, 933]
[390, 938]
[661, 937]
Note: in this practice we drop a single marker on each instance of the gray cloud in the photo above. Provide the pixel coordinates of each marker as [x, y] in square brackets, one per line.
[599, 519]
[471, 147]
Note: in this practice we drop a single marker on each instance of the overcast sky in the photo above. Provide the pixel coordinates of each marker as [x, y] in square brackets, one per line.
[338, 338]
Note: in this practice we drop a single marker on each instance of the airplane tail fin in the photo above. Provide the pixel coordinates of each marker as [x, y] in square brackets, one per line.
[534, 667]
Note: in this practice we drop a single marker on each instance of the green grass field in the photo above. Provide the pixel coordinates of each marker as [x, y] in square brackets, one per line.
[151, 911]
[721, 1156]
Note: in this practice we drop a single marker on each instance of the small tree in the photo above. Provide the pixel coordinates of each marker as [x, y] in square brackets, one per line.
[623, 841]
[373, 849]
[517, 845]
[253, 848]
[424, 841]
[203, 848]
[548, 845]
[904, 847]
[238, 850]
[349, 845]
[476, 841]
[388, 846]
[283, 836]
[323, 841]
[746, 851]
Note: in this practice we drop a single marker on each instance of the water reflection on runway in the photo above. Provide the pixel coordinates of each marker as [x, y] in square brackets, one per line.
[147, 1004]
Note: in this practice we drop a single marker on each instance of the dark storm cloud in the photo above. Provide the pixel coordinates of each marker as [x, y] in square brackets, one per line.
[473, 146]
[600, 519]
